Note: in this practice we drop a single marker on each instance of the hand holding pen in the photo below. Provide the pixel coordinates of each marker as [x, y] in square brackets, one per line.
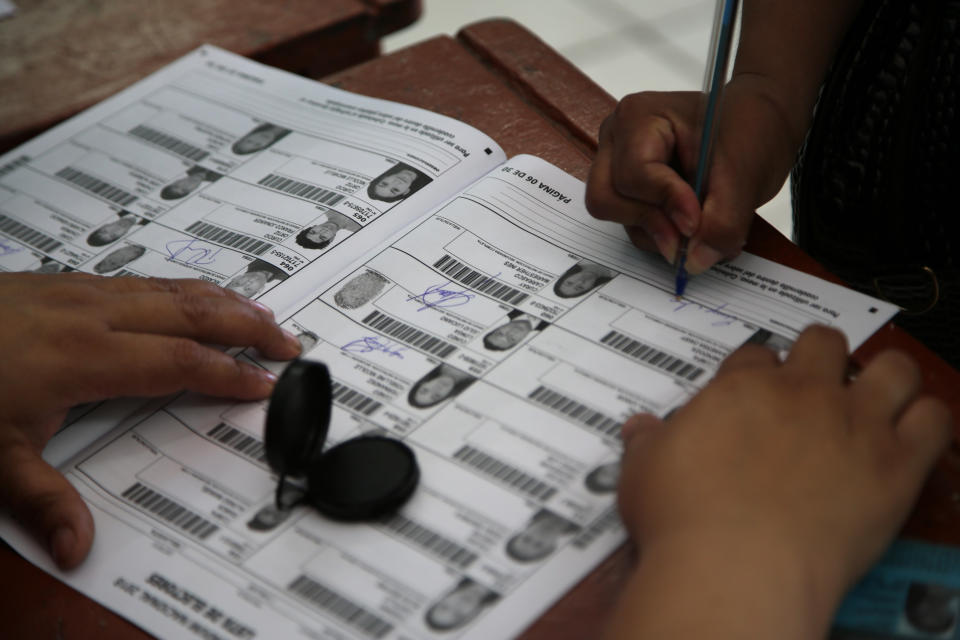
[715, 78]
[647, 156]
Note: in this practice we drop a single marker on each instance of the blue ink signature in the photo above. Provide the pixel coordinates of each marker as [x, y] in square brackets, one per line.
[7, 249]
[189, 253]
[373, 343]
[727, 320]
[437, 296]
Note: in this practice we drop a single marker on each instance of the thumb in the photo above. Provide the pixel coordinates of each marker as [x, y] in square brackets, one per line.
[43, 501]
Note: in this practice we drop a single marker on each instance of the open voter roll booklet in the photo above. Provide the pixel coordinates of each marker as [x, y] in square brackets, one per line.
[464, 302]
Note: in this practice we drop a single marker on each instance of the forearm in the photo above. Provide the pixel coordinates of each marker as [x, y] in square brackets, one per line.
[724, 588]
[785, 50]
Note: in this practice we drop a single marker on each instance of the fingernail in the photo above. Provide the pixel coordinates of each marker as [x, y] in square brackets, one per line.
[268, 377]
[628, 430]
[666, 245]
[262, 307]
[62, 543]
[683, 221]
[292, 340]
[702, 257]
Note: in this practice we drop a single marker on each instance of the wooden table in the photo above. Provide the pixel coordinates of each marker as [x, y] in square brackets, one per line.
[501, 79]
[58, 57]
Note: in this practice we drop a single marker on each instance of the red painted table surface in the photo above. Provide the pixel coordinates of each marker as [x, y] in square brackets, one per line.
[58, 57]
[500, 78]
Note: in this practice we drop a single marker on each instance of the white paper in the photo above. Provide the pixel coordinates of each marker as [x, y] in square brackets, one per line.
[214, 168]
[504, 336]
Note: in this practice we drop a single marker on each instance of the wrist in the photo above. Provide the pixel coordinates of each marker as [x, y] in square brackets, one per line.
[726, 585]
[789, 115]
[764, 132]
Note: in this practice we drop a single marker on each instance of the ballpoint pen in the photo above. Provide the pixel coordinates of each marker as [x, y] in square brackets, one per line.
[715, 77]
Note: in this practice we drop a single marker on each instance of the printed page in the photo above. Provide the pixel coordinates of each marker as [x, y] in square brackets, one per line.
[220, 168]
[505, 338]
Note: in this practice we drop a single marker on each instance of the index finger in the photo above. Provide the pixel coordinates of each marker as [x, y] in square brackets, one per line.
[647, 222]
[218, 320]
[152, 365]
[187, 286]
[642, 153]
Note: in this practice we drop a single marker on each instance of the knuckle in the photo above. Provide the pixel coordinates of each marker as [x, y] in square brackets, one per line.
[637, 103]
[204, 288]
[196, 309]
[598, 202]
[256, 326]
[189, 357]
[621, 110]
[74, 293]
[80, 336]
[624, 176]
[164, 285]
[606, 125]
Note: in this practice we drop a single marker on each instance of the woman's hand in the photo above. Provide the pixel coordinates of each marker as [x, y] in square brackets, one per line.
[68, 339]
[773, 489]
[642, 173]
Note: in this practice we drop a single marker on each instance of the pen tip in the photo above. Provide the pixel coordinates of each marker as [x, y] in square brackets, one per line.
[680, 269]
[680, 285]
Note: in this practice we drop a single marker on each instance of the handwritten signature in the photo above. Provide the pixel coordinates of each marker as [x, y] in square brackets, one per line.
[192, 251]
[727, 319]
[368, 344]
[439, 296]
[7, 249]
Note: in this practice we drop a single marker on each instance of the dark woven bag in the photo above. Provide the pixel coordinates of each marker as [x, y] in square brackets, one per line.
[875, 188]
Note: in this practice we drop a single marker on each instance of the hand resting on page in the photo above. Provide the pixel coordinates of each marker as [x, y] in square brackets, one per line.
[757, 504]
[73, 338]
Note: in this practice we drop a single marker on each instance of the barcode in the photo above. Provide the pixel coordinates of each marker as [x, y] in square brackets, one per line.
[504, 473]
[166, 509]
[478, 281]
[124, 273]
[645, 353]
[10, 166]
[169, 143]
[578, 412]
[350, 399]
[301, 190]
[28, 235]
[96, 186]
[239, 441]
[433, 542]
[607, 520]
[332, 602]
[229, 238]
[409, 335]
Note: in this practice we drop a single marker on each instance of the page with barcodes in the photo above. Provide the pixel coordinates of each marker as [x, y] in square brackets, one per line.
[223, 169]
[505, 338]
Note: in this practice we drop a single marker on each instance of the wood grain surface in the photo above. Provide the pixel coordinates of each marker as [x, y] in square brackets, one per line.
[58, 57]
